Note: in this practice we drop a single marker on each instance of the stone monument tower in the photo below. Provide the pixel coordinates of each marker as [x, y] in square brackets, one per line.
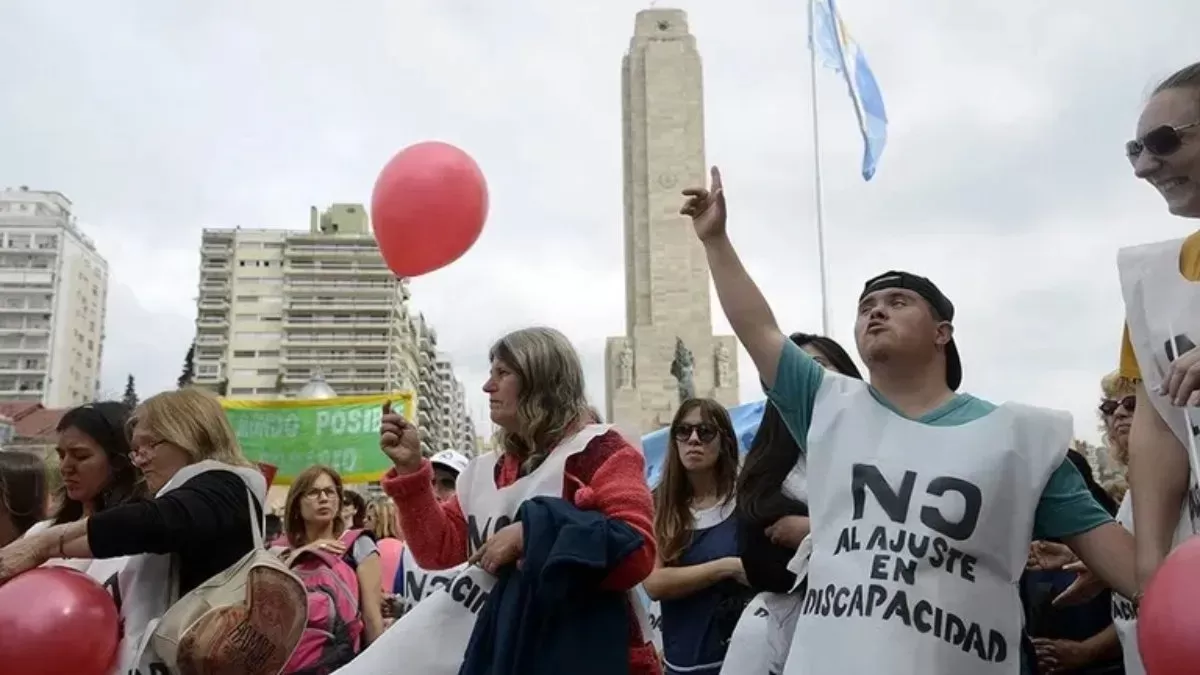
[668, 351]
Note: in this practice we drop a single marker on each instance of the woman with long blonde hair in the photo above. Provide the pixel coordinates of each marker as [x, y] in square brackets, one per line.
[547, 446]
[698, 577]
[206, 498]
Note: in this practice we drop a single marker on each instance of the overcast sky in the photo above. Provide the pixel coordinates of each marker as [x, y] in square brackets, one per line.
[1004, 179]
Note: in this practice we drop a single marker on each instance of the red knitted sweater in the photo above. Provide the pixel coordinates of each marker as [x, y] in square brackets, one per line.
[608, 476]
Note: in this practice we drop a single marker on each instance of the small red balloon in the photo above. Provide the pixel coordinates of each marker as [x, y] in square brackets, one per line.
[56, 620]
[428, 207]
[1168, 621]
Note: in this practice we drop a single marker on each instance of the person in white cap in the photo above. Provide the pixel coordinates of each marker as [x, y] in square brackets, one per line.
[413, 583]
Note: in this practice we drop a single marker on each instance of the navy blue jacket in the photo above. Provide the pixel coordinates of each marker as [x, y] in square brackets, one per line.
[549, 616]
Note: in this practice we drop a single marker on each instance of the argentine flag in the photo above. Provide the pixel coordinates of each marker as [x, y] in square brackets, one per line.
[831, 43]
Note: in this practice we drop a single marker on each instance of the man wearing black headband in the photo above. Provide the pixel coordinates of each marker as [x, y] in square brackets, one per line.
[923, 500]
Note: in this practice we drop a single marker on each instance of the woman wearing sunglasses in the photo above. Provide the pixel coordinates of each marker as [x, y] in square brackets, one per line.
[1162, 308]
[698, 576]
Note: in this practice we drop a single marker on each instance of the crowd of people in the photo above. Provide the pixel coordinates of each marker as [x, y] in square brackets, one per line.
[886, 524]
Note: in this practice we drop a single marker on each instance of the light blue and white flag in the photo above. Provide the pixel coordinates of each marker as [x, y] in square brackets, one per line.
[831, 43]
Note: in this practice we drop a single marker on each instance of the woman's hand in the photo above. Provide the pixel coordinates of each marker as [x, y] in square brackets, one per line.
[1061, 656]
[25, 554]
[1048, 555]
[503, 548]
[788, 531]
[399, 440]
[1085, 587]
[733, 569]
[333, 547]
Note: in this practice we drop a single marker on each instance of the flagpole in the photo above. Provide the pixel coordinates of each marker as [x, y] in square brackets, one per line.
[817, 190]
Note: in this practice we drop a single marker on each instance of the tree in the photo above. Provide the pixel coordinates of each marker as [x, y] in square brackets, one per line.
[130, 397]
[189, 367]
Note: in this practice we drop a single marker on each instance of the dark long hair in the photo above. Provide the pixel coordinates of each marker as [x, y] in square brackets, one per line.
[1098, 493]
[774, 452]
[22, 489]
[673, 519]
[104, 422]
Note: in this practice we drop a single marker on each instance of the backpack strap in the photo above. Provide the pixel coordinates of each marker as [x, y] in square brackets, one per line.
[349, 538]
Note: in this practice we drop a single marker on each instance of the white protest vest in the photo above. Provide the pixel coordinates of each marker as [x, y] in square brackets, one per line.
[653, 617]
[920, 534]
[1162, 306]
[420, 583]
[763, 637]
[151, 583]
[1123, 612]
[432, 638]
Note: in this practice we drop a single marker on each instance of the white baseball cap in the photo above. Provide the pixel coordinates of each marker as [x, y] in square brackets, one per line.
[449, 459]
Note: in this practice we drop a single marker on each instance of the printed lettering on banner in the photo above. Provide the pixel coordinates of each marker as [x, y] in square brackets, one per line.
[919, 536]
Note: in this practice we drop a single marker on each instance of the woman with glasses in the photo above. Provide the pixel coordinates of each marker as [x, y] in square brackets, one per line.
[1162, 308]
[698, 577]
[206, 497]
[314, 521]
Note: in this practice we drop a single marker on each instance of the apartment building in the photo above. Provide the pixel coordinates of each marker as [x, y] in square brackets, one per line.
[277, 308]
[53, 295]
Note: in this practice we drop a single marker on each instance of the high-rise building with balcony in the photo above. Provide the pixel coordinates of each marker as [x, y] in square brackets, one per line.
[53, 294]
[277, 307]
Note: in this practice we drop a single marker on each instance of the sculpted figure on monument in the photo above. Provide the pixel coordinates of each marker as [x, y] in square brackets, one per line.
[722, 361]
[625, 367]
[682, 368]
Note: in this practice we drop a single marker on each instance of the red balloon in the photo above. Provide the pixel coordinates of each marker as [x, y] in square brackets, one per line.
[56, 620]
[428, 207]
[1168, 621]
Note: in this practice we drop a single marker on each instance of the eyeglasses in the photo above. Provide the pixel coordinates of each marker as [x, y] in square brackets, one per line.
[144, 448]
[1110, 405]
[316, 493]
[704, 432]
[1159, 141]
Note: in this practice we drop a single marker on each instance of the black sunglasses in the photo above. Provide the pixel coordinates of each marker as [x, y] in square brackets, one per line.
[704, 432]
[1109, 405]
[1159, 141]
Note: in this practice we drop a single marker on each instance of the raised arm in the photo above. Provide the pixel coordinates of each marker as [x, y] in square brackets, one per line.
[743, 304]
[1159, 475]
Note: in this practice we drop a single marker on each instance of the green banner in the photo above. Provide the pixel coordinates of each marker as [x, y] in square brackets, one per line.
[342, 433]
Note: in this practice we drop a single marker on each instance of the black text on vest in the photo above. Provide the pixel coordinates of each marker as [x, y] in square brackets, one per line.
[948, 512]
[1174, 348]
[477, 535]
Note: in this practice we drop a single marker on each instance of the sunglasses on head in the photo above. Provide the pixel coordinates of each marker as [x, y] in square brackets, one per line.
[1159, 141]
[1109, 406]
[704, 432]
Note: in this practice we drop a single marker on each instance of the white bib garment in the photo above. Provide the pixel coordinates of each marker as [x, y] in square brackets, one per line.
[763, 637]
[1123, 612]
[420, 583]
[920, 534]
[1161, 307]
[433, 637]
[151, 583]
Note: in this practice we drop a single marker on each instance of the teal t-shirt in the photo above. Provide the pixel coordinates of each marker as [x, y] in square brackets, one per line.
[1066, 507]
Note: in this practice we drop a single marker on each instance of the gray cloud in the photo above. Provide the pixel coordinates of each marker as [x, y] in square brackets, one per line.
[1004, 178]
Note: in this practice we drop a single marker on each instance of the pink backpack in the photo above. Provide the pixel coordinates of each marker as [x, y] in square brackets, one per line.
[333, 634]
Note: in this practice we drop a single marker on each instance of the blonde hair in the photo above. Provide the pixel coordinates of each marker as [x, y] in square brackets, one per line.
[387, 520]
[551, 401]
[1114, 386]
[192, 420]
[293, 517]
